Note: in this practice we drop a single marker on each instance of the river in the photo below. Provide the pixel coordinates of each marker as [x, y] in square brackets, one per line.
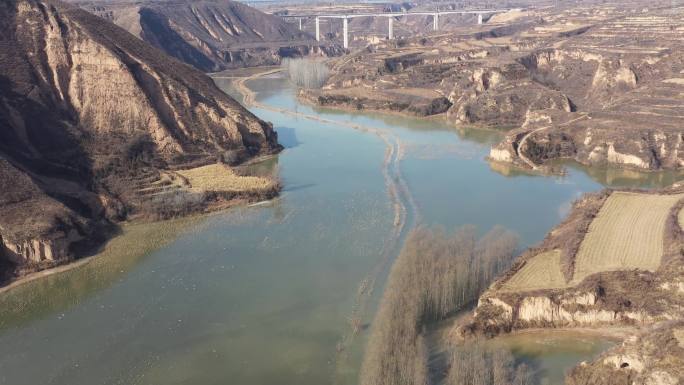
[265, 294]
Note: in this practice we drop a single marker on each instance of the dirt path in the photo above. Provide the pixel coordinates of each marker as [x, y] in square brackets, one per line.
[524, 157]
[405, 211]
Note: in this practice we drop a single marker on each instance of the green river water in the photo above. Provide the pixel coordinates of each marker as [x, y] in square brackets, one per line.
[263, 295]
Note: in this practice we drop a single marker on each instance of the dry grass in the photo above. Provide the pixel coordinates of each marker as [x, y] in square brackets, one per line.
[674, 81]
[220, 178]
[680, 218]
[679, 335]
[626, 234]
[509, 16]
[543, 271]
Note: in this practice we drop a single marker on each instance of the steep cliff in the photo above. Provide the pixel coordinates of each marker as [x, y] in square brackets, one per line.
[594, 270]
[617, 260]
[626, 110]
[601, 85]
[88, 114]
[212, 35]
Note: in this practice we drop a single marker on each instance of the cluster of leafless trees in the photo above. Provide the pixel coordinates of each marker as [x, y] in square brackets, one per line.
[307, 72]
[474, 364]
[434, 276]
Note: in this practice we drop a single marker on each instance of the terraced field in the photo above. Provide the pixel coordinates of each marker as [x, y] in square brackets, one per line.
[218, 177]
[626, 234]
[542, 271]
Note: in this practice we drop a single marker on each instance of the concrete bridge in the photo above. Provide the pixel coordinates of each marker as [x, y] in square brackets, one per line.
[390, 19]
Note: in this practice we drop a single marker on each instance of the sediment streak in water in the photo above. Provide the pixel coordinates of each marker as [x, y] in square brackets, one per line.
[400, 196]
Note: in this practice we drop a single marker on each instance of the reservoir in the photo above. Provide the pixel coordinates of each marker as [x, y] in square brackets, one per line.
[266, 294]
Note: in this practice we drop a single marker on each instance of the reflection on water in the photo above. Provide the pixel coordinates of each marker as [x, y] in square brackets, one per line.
[61, 291]
[617, 177]
[551, 353]
[609, 176]
[263, 294]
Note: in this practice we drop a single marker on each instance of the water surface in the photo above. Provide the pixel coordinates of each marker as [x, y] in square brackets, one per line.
[264, 294]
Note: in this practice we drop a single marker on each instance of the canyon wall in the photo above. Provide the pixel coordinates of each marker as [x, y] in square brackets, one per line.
[90, 114]
[213, 35]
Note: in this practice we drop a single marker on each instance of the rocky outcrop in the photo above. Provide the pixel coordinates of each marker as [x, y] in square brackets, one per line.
[213, 35]
[89, 113]
[604, 298]
[616, 298]
[653, 357]
[594, 90]
[649, 301]
[593, 143]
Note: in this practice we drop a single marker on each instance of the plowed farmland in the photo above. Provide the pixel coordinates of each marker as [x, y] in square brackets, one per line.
[626, 234]
[542, 271]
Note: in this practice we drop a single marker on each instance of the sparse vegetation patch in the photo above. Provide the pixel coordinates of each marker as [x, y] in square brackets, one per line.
[218, 177]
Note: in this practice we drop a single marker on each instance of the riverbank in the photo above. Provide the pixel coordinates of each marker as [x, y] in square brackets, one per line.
[177, 193]
[560, 89]
[614, 262]
[267, 294]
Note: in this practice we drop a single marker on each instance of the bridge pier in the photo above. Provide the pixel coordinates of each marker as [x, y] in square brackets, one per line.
[390, 21]
[345, 30]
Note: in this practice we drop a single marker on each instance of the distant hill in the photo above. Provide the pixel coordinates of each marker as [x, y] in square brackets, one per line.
[211, 35]
[89, 116]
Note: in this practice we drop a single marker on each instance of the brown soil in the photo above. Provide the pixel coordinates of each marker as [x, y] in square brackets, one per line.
[96, 122]
[596, 83]
[647, 300]
[212, 35]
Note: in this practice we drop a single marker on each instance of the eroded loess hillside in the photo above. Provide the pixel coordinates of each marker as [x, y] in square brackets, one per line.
[601, 84]
[90, 119]
[615, 261]
[212, 35]
[652, 357]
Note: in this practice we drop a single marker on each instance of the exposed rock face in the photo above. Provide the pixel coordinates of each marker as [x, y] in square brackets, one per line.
[34, 227]
[88, 112]
[620, 124]
[212, 35]
[654, 357]
[601, 86]
[628, 297]
[651, 300]
[601, 301]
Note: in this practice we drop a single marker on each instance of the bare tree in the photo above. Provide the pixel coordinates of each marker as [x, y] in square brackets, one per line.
[475, 364]
[306, 72]
[434, 276]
